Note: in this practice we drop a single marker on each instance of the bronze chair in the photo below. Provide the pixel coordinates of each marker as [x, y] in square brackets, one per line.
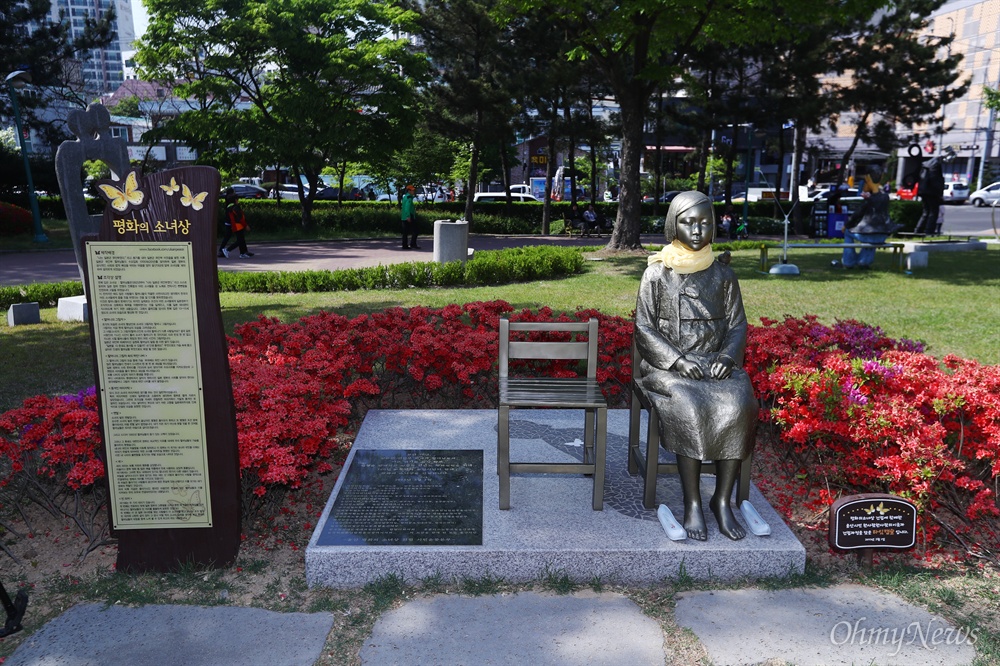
[639, 463]
[553, 393]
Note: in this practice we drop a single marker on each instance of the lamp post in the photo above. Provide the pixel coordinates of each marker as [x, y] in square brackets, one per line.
[748, 171]
[15, 81]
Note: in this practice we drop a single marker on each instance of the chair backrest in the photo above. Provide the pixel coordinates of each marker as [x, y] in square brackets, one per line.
[573, 349]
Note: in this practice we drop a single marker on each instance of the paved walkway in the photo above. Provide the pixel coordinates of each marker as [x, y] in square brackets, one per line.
[60, 265]
[809, 627]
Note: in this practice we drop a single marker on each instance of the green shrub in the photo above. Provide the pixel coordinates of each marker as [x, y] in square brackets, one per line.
[488, 267]
[46, 295]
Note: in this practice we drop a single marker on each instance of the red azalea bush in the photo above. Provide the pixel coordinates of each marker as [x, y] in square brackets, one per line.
[856, 411]
[14, 220]
[859, 412]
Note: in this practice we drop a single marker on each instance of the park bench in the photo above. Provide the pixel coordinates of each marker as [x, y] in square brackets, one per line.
[647, 464]
[552, 393]
[897, 251]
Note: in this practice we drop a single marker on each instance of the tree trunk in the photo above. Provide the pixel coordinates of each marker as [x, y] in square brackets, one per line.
[304, 201]
[625, 235]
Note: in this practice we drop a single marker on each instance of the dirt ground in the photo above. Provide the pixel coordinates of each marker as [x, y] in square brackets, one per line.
[46, 561]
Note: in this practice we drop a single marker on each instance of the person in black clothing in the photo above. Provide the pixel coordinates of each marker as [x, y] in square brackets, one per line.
[236, 223]
[574, 219]
[931, 191]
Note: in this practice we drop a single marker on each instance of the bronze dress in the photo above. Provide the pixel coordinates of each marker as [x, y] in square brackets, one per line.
[700, 316]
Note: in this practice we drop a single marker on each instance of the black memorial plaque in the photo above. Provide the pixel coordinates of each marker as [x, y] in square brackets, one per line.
[403, 497]
[872, 520]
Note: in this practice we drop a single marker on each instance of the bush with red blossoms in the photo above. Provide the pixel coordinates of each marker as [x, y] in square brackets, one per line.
[859, 412]
[855, 410]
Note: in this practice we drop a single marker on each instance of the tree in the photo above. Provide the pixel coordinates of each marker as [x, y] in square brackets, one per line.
[894, 74]
[640, 44]
[30, 40]
[303, 83]
[470, 95]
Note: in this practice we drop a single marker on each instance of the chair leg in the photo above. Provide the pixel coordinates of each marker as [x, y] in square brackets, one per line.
[589, 416]
[503, 455]
[652, 461]
[634, 414]
[600, 453]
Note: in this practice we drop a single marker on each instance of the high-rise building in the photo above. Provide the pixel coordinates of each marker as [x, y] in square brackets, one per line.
[101, 70]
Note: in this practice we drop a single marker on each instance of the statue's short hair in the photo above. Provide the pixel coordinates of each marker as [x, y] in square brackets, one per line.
[681, 203]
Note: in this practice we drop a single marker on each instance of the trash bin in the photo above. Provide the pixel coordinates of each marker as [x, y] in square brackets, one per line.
[451, 240]
[835, 224]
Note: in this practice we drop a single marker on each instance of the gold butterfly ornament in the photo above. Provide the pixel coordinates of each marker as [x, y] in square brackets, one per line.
[171, 187]
[195, 201]
[129, 195]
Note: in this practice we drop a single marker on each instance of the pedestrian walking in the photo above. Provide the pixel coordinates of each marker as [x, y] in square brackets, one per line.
[408, 217]
[236, 223]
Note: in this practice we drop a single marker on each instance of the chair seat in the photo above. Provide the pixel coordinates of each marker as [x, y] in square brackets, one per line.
[582, 393]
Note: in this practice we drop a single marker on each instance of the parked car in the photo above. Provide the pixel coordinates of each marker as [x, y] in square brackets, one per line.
[431, 194]
[244, 191]
[907, 193]
[955, 192]
[848, 194]
[502, 197]
[986, 196]
[288, 191]
[667, 197]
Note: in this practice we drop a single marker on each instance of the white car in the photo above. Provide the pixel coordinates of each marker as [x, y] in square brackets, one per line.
[502, 197]
[955, 193]
[987, 196]
[288, 191]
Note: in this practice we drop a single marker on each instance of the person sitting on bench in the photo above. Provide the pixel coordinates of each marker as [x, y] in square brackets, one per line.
[869, 224]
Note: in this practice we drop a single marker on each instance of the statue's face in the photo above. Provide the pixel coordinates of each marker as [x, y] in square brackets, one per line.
[696, 226]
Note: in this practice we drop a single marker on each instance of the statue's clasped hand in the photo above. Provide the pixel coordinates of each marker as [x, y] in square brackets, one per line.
[722, 367]
[688, 369]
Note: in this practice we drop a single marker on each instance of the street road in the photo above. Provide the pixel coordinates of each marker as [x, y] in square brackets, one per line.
[967, 220]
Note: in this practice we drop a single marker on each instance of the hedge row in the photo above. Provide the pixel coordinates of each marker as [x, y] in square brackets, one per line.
[487, 267]
[46, 295]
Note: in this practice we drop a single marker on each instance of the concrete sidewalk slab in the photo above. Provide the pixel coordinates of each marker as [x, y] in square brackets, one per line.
[99, 635]
[847, 624]
[525, 628]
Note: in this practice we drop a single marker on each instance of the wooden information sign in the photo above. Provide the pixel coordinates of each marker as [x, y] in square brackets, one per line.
[872, 520]
[162, 369]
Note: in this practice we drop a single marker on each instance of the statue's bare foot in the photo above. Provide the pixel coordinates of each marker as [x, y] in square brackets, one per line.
[694, 521]
[727, 521]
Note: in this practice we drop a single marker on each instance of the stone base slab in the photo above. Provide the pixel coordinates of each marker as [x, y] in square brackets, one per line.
[72, 308]
[20, 314]
[550, 528]
[943, 246]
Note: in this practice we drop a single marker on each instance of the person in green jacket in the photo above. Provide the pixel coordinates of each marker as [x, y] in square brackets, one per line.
[408, 216]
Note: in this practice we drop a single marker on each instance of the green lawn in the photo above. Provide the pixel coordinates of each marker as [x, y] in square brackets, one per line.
[953, 306]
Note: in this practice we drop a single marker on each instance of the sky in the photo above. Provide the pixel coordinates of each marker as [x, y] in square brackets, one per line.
[139, 17]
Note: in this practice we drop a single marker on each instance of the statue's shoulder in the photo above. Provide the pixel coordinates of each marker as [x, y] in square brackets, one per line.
[655, 271]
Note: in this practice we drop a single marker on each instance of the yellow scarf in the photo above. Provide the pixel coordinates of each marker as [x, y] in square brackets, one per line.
[683, 260]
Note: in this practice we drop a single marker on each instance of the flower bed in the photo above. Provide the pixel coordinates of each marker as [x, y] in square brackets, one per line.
[854, 410]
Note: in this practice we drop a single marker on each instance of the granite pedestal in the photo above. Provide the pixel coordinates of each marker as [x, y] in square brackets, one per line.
[19, 314]
[72, 308]
[550, 527]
